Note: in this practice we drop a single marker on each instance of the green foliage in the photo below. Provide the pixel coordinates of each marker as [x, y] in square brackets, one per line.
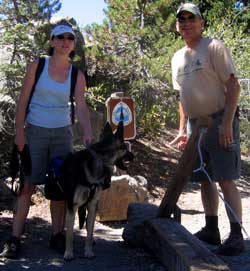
[20, 22]
[232, 30]
[132, 51]
[95, 97]
[231, 27]
[245, 136]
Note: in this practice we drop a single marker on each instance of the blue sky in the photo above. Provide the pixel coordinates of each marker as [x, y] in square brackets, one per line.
[84, 11]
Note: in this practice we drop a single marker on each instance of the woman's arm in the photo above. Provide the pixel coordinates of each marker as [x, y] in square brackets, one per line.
[82, 111]
[22, 103]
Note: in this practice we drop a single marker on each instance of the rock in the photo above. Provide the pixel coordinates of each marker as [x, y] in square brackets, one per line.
[97, 122]
[138, 213]
[113, 204]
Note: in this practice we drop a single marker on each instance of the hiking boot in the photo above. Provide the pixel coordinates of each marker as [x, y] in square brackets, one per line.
[211, 237]
[232, 246]
[57, 242]
[11, 248]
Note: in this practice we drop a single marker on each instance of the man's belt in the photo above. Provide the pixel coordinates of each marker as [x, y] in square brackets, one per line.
[221, 112]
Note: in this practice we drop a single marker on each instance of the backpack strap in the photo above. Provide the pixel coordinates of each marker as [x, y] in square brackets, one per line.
[40, 66]
[74, 73]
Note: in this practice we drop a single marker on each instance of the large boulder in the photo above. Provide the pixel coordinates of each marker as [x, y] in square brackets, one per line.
[138, 214]
[97, 122]
[113, 204]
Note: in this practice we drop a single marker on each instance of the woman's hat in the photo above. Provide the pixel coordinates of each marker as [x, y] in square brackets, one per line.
[61, 29]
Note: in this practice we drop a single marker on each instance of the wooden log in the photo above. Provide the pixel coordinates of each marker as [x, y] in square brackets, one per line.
[183, 171]
[177, 249]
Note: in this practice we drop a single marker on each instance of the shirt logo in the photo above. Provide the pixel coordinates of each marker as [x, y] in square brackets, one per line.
[190, 68]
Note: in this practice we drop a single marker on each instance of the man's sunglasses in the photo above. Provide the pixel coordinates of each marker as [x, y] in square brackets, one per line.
[189, 19]
[62, 37]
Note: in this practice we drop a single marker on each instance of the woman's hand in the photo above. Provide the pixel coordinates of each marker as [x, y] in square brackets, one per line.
[87, 140]
[20, 139]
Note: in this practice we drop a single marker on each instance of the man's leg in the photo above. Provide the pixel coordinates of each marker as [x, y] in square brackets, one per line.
[233, 198]
[234, 244]
[210, 200]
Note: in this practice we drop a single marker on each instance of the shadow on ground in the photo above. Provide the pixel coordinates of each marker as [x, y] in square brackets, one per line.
[158, 162]
[111, 252]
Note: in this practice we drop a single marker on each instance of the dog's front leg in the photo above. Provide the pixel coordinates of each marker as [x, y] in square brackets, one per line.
[70, 218]
[92, 207]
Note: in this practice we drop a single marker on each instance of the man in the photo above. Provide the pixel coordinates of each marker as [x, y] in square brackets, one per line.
[204, 74]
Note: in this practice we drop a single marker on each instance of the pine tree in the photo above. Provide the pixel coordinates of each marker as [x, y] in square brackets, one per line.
[131, 52]
[19, 24]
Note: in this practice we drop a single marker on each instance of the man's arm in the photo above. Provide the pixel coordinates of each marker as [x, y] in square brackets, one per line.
[226, 127]
[181, 138]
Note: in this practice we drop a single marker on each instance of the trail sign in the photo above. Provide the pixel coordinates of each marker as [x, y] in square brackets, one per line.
[121, 108]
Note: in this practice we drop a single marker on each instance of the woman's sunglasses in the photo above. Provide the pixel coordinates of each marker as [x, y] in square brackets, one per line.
[62, 37]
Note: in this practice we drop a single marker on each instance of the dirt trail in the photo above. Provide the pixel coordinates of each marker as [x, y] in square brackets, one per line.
[111, 253]
[156, 163]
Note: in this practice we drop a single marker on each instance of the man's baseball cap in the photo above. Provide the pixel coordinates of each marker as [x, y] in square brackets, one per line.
[61, 29]
[190, 7]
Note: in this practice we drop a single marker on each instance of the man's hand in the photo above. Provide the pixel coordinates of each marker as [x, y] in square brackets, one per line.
[225, 134]
[180, 141]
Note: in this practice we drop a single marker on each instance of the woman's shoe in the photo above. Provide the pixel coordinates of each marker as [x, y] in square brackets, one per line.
[57, 242]
[11, 248]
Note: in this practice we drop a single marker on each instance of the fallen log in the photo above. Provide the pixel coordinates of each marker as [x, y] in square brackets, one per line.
[171, 243]
[176, 248]
[183, 171]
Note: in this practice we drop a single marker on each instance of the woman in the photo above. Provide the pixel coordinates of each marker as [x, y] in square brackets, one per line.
[47, 129]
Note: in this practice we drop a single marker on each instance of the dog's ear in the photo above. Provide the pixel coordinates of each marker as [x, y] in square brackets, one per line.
[120, 131]
[107, 131]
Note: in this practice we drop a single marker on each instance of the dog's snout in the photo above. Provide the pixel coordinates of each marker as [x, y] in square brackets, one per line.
[128, 156]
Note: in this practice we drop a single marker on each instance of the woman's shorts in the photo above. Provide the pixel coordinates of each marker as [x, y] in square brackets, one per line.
[220, 163]
[44, 145]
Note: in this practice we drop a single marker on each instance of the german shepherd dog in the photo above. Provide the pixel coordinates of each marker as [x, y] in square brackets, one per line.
[85, 174]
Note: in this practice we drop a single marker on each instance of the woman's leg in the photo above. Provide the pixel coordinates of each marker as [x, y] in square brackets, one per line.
[22, 209]
[57, 209]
